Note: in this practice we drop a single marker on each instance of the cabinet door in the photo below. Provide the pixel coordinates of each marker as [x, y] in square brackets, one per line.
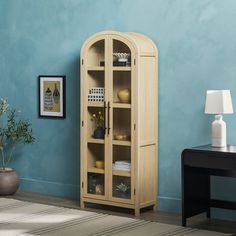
[121, 161]
[95, 143]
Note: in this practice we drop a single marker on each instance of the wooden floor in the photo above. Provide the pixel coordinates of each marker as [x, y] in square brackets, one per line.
[148, 214]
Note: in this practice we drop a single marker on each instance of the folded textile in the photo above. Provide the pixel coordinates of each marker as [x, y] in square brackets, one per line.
[121, 165]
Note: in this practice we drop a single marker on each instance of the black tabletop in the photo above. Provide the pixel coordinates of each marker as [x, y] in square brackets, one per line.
[228, 148]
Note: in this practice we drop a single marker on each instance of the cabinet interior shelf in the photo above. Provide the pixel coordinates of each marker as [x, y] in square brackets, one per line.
[121, 143]
[121, 173]
[96, 170]
[115, 105]
[95, 68]
[121, 105]
[121, 68]
[95, 140]
[95, 104]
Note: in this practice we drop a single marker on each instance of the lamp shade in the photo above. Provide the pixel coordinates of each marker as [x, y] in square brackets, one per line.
[218, 102]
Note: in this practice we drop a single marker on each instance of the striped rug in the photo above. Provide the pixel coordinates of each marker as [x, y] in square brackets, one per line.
[28, 219]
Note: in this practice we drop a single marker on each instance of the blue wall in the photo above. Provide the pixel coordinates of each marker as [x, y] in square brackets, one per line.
[197, 51]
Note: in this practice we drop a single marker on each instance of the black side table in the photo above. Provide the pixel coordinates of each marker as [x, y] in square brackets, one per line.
[198, 164]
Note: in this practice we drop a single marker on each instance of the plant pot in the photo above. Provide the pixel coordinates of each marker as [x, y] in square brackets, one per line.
[99, 133]
[9, 181]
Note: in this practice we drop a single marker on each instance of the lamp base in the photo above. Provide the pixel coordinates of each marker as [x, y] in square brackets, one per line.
[218, 142]
[218, 128]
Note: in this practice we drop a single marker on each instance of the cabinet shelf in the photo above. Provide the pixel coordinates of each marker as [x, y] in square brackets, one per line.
[95, 104]
[95, 68]
[121, 68]
[121, 143]
[121, 173]
[96, 170]
[94, 140]
[121, 105]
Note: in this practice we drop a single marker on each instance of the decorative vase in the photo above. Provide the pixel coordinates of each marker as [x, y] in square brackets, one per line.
[48, 100]
[56, 94]
[9, 181]
[99, 133]
[124, 95]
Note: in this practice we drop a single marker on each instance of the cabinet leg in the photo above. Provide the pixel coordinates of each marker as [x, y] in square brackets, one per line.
[184, 222]
[154, 207]
[82, 205]
[137, 211]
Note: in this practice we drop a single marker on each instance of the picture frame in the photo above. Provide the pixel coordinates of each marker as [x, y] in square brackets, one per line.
[52, 96]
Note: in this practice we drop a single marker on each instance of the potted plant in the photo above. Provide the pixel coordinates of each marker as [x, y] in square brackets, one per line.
[12, 132]
[99, 132]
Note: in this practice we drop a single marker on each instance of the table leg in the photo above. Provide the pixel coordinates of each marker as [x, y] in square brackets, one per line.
[208, 213]
[195, 191]
[183, 221]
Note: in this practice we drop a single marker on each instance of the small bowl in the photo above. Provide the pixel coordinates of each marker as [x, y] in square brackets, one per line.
[99, 164]
[122, 137]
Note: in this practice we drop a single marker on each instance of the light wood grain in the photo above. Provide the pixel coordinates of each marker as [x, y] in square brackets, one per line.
[138, 119]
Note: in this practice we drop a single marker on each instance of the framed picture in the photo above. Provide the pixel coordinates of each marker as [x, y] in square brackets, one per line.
[52, 96]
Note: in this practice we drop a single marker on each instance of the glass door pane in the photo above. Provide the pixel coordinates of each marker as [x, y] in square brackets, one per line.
[121, 172]
[121, 161]
[121, 54]
[96, 169]
[96, 142]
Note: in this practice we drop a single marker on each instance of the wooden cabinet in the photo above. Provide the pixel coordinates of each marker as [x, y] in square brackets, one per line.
[119, 85]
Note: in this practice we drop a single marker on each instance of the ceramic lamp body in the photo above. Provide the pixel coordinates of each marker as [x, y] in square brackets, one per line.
[218, 132]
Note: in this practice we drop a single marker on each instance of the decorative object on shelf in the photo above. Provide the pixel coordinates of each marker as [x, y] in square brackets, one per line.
[124, 95]
[96, 94]
[48, 99]
[12, 132]
[122, 137]
[99, 164]
[56, 94]
[218, 102]
[52, 96]
[121, 59]
[122, 190]
[92, 184]
[121, 165]
[99, 132]
[99, 189]
[95, 184]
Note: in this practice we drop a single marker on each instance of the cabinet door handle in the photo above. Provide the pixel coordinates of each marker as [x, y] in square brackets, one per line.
[108, 130]
[104, 110]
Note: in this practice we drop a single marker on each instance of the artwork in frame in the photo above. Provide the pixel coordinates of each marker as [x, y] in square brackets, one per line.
[52, 96]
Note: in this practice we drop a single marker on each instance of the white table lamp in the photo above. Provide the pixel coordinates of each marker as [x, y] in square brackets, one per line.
[218, 102]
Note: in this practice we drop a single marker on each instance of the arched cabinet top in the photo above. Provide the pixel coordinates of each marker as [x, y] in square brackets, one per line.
[141, 44]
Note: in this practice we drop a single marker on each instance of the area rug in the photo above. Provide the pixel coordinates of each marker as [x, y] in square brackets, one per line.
[28, 219]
